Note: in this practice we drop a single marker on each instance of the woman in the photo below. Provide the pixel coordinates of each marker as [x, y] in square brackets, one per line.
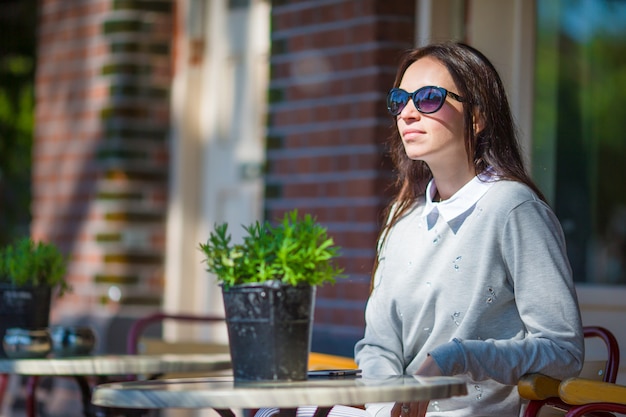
[472, 277]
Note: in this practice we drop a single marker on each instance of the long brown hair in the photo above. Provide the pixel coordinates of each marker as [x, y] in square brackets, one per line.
[496, 145]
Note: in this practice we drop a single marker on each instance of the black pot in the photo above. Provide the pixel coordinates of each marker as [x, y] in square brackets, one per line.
[23, 307]
[269, 330]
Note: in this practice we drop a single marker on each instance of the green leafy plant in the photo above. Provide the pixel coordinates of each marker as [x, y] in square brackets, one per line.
[296, 250]
[37, 264]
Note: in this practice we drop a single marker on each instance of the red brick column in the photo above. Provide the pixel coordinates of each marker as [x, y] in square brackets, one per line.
[100, 154]
[331, 65]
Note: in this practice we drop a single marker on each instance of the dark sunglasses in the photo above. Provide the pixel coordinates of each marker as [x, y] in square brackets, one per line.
[427, 99]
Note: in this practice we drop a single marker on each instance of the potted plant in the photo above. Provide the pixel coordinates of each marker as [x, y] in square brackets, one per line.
[268, 285]
[29, 273]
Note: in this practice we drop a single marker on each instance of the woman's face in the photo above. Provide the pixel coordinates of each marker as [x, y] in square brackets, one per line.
[436, 138]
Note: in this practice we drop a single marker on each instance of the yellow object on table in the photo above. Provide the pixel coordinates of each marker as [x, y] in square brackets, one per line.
[319, 361]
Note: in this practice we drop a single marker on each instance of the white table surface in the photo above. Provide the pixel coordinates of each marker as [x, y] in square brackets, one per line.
[223, 393]
[110, 365]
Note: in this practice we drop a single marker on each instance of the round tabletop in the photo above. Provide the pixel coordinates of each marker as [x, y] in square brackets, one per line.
[111, 365]
[223, 393]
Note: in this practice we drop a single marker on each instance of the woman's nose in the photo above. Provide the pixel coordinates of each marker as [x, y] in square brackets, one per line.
[409, 111]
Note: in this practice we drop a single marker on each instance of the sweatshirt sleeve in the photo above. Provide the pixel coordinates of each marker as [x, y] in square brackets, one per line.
[379, 352]
[533, 249]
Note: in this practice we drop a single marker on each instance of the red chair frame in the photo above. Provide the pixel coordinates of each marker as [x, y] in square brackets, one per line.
[595, 409]
[4, 382]
[137, 328]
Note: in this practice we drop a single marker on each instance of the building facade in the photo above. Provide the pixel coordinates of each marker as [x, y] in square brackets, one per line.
[157, 119]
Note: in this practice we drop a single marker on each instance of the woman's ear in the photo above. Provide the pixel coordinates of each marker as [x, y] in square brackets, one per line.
[478, 122]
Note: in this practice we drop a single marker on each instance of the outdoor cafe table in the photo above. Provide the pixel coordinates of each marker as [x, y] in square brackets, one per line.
[223, 394]
[104, 366]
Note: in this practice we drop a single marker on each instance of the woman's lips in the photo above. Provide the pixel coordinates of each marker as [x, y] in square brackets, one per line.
[409, 134]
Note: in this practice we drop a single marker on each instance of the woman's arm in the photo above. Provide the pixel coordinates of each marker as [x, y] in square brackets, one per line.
[533, 249]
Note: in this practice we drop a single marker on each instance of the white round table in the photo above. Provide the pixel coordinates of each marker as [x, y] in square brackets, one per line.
[223, 394]
[82, 367]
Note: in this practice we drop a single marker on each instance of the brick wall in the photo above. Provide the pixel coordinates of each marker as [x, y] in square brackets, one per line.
[332, 62]
[100, 153]
[101, 157]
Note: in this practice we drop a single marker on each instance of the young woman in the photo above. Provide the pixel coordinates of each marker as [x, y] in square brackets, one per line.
[472, 277]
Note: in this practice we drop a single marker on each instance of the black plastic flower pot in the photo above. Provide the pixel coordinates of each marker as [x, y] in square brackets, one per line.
[24, 307]
[269, 330]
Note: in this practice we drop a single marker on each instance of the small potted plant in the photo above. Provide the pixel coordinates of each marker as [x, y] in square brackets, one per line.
[29, 273]
[268, 286]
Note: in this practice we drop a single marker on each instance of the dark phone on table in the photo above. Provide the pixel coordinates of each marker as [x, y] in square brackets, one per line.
[335, 372]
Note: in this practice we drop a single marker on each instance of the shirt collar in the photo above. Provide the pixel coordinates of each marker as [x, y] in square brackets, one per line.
[462, 200]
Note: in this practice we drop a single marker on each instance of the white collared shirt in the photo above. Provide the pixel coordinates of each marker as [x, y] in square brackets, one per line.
[462, 200]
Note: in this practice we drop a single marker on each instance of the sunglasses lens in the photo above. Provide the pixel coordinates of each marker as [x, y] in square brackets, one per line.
[396, 100]
[429, 99]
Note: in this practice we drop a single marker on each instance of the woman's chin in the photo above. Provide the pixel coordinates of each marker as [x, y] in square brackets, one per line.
[415, 156]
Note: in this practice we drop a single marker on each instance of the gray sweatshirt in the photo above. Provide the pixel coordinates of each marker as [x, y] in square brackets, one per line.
[482, 283]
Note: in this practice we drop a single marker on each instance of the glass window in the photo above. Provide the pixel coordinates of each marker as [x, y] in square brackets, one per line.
[579, 137]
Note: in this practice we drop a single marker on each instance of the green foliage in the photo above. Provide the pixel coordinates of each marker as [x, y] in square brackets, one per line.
[18, 23]
[296, 250]
[36, 264]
